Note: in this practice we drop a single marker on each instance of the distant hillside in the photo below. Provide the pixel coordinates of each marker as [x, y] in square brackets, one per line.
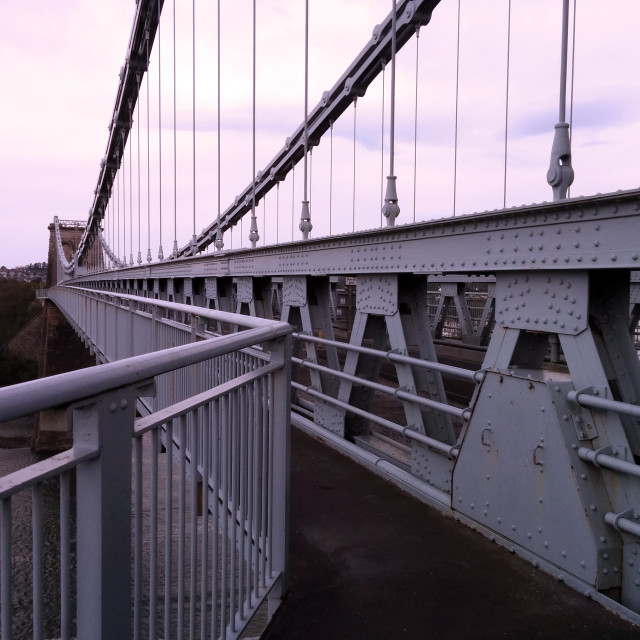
[35, 272]
[18, 306]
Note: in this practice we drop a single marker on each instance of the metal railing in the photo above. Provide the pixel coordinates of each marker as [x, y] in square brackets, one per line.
[614, 458]
[390, 457]
[185, 543]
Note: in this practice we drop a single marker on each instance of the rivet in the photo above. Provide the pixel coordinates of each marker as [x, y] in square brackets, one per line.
[583, 476]
[563, 554]
[546, 544]
[499, 520]
[605, 556]
[124, 404]
[605, 571]
[583, 564]
[113, 407]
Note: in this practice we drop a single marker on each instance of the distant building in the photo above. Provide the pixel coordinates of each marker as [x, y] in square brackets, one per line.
[36, 272]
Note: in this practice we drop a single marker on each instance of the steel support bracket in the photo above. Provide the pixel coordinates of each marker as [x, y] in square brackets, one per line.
[584, 426]
[407, 389]
[613, 519]
[600, 392]
[615, 451]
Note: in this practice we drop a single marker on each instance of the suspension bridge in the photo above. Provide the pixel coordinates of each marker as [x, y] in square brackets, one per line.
[485, 360]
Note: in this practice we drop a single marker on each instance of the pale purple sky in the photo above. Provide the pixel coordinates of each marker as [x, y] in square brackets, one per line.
[60, 61]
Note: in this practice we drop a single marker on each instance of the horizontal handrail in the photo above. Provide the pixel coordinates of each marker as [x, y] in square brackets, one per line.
[392, 356]
[602, 459]
[251, 322]
[447, 449]
[620, 523]
[20, 400]
[399, 393]
[162, 416]
[38, 472]
[585, 399]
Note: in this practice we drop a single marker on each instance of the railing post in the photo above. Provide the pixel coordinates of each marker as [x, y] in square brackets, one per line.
[104, 425]
[281, 420]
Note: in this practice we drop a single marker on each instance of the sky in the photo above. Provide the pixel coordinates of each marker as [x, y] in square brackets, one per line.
[60, 63]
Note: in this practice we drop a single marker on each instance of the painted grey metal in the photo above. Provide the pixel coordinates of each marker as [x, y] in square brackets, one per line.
[102, 402]
[392, 356]
[586, 399]
[517, 473]
[556, 301]
[543, 459]
[412, 434]
[516, 354]
[594, 232]
[613, 458]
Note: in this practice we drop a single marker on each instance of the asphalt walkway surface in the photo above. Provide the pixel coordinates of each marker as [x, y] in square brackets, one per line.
[370, 561]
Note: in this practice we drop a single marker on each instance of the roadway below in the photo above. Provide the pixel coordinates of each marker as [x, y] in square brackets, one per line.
[370, 561]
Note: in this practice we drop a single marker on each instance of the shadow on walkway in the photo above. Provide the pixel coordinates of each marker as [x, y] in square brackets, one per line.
[369, 561]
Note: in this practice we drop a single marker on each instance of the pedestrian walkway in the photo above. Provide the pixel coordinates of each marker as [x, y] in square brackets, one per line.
[369, 561]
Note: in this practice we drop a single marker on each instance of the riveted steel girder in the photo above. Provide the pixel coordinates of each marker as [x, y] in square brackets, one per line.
[596, 232]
